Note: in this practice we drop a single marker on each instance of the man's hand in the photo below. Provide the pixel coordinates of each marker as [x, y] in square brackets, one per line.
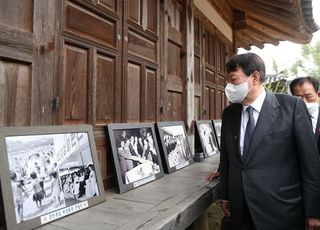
[212, 175]
[225, 207]
[313, 223]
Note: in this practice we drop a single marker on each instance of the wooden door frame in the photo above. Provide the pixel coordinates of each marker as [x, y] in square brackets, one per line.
[144, 63]
[64, 36]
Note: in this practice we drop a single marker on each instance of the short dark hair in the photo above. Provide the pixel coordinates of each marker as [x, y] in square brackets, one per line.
[249, 62]
[301, 80]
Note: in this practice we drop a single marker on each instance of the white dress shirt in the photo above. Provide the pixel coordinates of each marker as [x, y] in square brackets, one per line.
[256, 105]
[314, 119]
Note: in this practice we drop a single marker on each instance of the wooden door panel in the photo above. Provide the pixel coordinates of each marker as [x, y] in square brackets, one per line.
[15, 93]
[210, 55]
[174, 9]
[144, 13]
[222, 56]
[141, 94]
[209, 76]
[92, 65]
[17, 14]
[206, 45]
[134, 7]
[198, 59]
[197, 36]
[92, 26]
[142, 46]
[212, 50]
[141, 55]
[105, 89]
[206, 103]
[150, 96]
[174, 60]
[151, 10]
[221, 80]
[133, 93]
[219, 104]
[108, 4]
[212, 103]
[75, 84]
[214, 56]
[173, 83]
[175, 107]
[197, 70]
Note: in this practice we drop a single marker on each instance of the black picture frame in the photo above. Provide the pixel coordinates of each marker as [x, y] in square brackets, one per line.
[217, 131]
[173, 134]
[135, 153]
[206, 141]
[48, 172]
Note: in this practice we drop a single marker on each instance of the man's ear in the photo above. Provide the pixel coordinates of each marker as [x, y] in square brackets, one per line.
[318, 95]
[256, 77]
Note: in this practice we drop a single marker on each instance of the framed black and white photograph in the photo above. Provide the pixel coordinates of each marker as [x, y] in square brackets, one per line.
[47, 173]
[217, 131]
[174, 145]
[206, 141]
[135, 153]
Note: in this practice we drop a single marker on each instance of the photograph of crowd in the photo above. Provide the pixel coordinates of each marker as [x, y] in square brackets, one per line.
[207, 138]
[176, 144]
[49, 172]
[137, 153]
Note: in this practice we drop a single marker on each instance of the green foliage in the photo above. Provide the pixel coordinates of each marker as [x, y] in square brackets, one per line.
[277, 86]
[310, 60]
[295, 66]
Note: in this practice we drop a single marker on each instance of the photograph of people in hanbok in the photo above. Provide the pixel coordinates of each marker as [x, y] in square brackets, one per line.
[38, 165]
[209, 143]
[137, 154]
[176, 145]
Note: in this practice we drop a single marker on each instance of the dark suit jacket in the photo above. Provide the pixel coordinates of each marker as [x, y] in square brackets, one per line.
[317, 133]
[280, 178]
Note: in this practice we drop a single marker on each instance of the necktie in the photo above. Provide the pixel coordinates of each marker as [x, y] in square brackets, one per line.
[248, 133]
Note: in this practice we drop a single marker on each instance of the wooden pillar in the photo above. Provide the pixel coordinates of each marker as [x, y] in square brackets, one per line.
[189, 68]
[44, 28]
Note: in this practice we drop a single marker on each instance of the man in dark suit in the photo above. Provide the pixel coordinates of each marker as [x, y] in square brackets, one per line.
[269, 163]
[308, 89]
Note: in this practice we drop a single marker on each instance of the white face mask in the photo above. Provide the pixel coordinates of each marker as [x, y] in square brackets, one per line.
[312, 107]
[237, 93]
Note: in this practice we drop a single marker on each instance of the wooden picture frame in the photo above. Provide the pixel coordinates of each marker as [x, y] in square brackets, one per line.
[206, 141]
[217, 131]
[135, 154]
[48, 172]
[175, 148]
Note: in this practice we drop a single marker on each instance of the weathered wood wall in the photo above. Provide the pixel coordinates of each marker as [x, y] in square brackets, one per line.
[105, 61]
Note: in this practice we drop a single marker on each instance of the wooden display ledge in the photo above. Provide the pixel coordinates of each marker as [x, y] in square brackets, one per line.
[171, 202]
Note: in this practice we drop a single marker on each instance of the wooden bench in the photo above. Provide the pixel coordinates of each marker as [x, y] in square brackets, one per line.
[172, 202]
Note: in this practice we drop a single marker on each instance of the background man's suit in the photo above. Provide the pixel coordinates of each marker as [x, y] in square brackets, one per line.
[317, 132]
[280, 177]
